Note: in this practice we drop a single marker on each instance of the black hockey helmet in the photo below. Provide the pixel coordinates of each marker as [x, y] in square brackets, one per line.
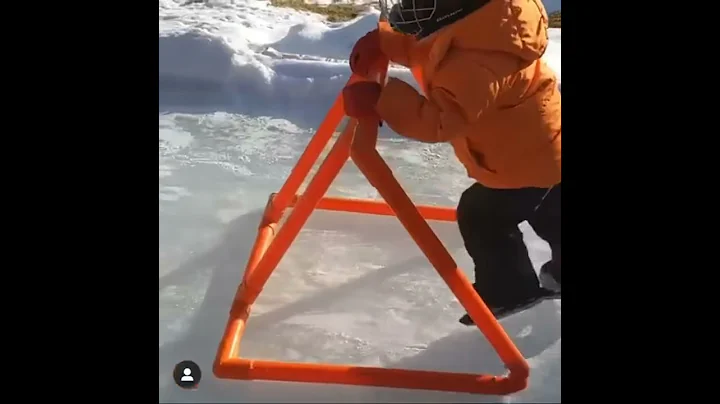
[423, 17]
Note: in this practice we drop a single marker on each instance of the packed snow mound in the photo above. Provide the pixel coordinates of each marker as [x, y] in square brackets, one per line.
[552, 54]
[282, 62]
[196, 56]
[325, 41]
[251, 66]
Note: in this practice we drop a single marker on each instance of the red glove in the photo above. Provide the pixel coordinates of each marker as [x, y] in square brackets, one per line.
[361, 98]
[366, 54]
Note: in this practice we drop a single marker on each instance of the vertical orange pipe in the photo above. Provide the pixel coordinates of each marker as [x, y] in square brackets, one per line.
[264, 239]
[239, 311]
[308, 158]
[230, 342]
[317, 187]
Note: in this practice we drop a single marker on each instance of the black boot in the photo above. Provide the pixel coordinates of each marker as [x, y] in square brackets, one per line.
[505, 278]
[546, 223]
[510, 307]
[550, 276]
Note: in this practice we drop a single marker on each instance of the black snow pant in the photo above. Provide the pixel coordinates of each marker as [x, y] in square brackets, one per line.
[488, 220]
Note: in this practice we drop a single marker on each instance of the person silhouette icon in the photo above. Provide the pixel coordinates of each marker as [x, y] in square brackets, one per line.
[187, 375]
[187, 378]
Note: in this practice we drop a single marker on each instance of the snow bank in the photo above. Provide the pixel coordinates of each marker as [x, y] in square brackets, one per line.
[295, 64]
[552, 54]
[324, 41]
[288, 62]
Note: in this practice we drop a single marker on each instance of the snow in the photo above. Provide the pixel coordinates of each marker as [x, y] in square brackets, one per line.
[242, 87]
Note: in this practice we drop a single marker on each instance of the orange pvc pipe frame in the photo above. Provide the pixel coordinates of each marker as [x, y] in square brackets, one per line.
[357, 141]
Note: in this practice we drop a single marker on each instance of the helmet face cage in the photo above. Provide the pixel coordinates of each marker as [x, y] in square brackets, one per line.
[408, 16]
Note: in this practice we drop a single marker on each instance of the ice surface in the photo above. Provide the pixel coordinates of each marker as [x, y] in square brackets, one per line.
[243, 85]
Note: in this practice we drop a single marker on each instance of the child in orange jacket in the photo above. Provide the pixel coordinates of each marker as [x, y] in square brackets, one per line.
[489, 94]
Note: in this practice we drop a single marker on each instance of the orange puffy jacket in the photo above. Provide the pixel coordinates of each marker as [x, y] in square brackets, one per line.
[488, 94]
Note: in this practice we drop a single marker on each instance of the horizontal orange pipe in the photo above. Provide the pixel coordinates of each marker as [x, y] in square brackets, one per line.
[375, 207]
[249, 369]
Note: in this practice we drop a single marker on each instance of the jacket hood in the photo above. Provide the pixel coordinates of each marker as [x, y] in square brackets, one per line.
[518, 27]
